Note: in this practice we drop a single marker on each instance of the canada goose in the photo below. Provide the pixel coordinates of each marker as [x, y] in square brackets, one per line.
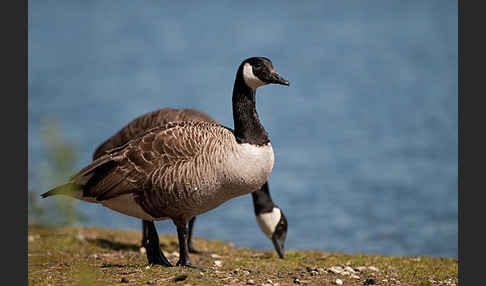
[182, 169]
[270, 218]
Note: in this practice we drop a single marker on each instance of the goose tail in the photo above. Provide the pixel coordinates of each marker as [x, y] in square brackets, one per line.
[69, 189]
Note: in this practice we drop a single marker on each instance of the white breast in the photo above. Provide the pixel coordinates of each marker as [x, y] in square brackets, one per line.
[268, 221]
[248, 168]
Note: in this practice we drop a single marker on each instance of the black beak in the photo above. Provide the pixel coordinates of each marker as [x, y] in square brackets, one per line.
[276, 78]
[279, 235]
[279, 243]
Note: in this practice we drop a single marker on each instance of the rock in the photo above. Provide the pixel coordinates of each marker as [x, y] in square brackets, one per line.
[338, 282]
[250, 282]
[218, 263]
[216, 256]
[180, 277]
[245, 272]
[370, 281]
[354, 276]
[314, 273]
[201, 274]
[336, 269]
[79, 236]
[269, 281]
[360, 268]
[296, 280]
[147, 267]
[142, 250]
[372, 268]
[124, 280]
[349, 269]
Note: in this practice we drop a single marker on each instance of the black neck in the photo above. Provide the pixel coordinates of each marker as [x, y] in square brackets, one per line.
[247, 125]
[262, 201]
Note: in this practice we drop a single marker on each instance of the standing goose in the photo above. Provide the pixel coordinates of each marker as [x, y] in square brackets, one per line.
[182, 169]
[270, 218]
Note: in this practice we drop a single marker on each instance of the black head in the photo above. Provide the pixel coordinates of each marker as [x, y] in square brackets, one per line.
[258, 71]
[279, 236]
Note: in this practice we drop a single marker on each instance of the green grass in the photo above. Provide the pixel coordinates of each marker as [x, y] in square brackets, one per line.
[95, 256]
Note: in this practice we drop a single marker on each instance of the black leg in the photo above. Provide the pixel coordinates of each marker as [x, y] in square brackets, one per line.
[184, 260]
[189, 238]
[150, 240]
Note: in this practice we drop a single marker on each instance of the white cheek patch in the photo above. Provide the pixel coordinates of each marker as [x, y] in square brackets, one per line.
[268, 221]
[250, 78]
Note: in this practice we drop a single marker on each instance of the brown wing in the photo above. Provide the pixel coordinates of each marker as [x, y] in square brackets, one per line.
[148, 121]
[152, 160]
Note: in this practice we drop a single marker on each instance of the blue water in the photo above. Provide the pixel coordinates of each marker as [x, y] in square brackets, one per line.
[365, 137]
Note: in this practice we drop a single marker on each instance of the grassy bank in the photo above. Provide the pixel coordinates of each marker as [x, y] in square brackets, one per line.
[95, 256]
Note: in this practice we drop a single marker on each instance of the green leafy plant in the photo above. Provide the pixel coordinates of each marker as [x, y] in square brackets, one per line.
[59, 165]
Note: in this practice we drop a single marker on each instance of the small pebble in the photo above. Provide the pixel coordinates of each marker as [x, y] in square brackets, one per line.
[338, 282]
[124, 280]
[250, 282]
[218, 262]
[180, 277]
[143, 250]
[354, 276]
[360, 268]
[245, 272]
[314, 273]
[372, 268]
[349, 269]
[296, 280]
[336, 269]
[147, 267]
[369, 281]
[215, 256]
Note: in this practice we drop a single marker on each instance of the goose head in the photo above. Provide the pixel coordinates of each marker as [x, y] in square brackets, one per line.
[274, 225]
[258, 71]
